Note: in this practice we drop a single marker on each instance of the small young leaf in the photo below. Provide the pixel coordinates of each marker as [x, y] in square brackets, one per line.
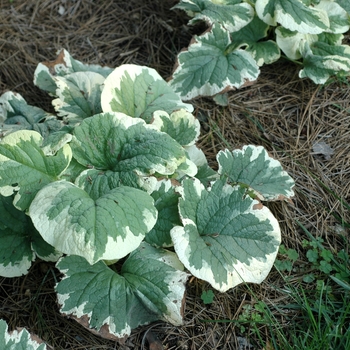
[104, 227]
[25, 168]
[63, 65]
[181, 125]
[292, 14]
[56, 140]
[253, 166]
[204, 173]
[231, 16]
[150, 286]
[310, 277]
[19, 340]
[166, 201]
[283, 265]
[207, 296]
[227, 237]
[221, 99]
[208, 66]
[79, 96]
[326, 255]
[312, 255]
[325, 267]
[263, 52]
[292, 254]
[139, 91]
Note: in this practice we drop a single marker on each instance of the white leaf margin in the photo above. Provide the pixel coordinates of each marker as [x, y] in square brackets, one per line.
[280, 16]
[272, 164]
[255, 272]
[73, 241]
[19, 268]
[113, 82]
[21, 337]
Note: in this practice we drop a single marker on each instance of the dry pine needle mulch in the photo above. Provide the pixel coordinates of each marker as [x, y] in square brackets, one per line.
[288, 116]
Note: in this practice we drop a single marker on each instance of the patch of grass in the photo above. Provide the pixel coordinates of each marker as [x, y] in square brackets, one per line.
[317, 315]
[324, 309]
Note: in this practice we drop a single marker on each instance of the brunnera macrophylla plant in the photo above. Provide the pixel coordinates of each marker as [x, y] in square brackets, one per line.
[243, 35]
[114, 189]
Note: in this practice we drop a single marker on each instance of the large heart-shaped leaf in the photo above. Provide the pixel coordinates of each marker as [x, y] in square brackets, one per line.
[232, 16]
[150, 287]
[139, 91]
[209, 66]
[293, 14]
[20, 243]
[252, 166]
[117, 142]
[25, 168]
[226, 237]
[106, 226]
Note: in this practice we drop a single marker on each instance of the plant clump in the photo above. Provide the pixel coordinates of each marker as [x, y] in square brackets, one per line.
[113, 188]
[244, 35]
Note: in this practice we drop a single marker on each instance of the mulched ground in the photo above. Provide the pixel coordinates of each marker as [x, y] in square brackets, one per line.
[285, 114]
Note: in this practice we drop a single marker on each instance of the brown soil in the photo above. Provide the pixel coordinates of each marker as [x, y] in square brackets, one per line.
[283, 113]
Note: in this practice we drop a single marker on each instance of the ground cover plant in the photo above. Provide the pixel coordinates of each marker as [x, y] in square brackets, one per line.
[118, 175]
[244, 35]
[299, 123]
